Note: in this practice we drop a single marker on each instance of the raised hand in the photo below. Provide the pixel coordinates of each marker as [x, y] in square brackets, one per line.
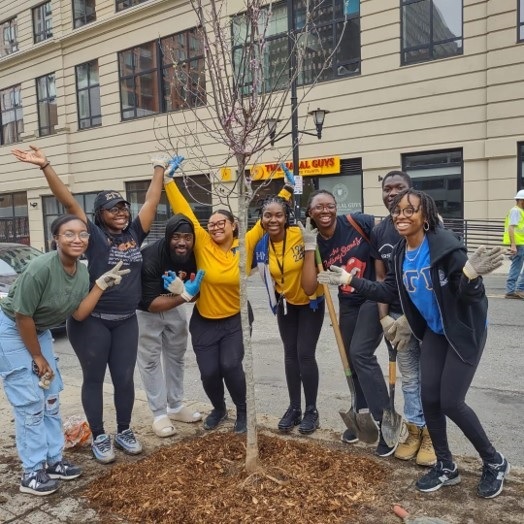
[483, 261]
[35, 156]
[192, 287]
[309, 235]
[111, 278]
[290, 179]
[173, 165]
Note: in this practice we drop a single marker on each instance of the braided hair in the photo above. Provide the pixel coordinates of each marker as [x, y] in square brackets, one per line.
[274, 199]
[429, 208]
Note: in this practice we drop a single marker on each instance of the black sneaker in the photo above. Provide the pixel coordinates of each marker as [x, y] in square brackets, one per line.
[63, 470]
[383, 450]
[38, 483]
[292, 417]
[241, 422]
[310, 422]
[492, 479]
[348, 437]
[438, 476]
[216, 417]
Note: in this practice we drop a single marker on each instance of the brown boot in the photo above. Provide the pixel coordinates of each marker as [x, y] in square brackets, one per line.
[408, 449]
[426, 454]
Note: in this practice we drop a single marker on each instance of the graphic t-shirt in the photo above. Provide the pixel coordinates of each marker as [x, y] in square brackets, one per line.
[46, 292]
[348, 249]
[103, 252]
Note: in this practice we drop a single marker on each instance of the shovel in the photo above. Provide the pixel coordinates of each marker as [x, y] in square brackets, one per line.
[361, 424]
[391, 420]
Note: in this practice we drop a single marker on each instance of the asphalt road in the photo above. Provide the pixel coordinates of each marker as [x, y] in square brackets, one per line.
[497, 392]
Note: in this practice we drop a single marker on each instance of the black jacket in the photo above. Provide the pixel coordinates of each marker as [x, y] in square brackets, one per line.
[462, 303]
[157, 260]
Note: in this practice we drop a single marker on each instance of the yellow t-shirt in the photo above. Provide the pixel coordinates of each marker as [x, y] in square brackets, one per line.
[220, 289]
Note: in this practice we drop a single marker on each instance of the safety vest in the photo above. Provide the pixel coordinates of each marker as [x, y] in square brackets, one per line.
[518, 231]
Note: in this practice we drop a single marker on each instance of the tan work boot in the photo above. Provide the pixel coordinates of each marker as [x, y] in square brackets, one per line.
[409, 448]
[426, 454]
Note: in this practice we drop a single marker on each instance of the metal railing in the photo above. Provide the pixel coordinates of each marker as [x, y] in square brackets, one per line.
[475, 233]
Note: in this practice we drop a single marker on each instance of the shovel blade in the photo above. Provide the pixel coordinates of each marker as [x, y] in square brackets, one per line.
[350, 420]
[391, 427]
[362, 424]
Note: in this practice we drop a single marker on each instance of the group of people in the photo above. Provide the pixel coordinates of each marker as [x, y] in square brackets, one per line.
[407, 278]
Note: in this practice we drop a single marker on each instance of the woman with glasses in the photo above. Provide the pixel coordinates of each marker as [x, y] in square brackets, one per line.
[444, 301]
[215, 327]
[54, 286]
[343, 241]
[108, 337]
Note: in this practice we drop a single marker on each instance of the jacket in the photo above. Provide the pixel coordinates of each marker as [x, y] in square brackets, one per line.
[462, 303]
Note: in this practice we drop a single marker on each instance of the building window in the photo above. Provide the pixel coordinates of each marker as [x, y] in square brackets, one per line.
[164, 75]
[46, 97]
[88, 95]
[126, 4]
[520, 23]
[318, 32]
[83, 12]
[520, 167]
[431, 29]
[440, 174]
[11, 115]
[14, 221]
[42, 22]
[9, 42]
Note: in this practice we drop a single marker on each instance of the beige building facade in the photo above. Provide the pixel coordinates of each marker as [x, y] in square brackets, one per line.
[432, 86]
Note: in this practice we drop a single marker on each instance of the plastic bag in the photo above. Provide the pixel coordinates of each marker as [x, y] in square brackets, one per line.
[76, 432]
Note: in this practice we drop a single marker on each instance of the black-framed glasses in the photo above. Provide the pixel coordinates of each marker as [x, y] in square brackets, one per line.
[69, 236]
[325, 207]
[408, 212]
[219, 224]
[118, 209]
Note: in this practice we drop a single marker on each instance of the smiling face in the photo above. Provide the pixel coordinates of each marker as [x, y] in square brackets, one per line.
[274, 220]
[180, 246]
[116, 218]
[410, 226]
[220, 229]
[72, 238]
[393, 185]
[323, 211]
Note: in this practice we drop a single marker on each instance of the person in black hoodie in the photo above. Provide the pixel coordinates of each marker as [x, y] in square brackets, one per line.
[162, 324]
[444, 302]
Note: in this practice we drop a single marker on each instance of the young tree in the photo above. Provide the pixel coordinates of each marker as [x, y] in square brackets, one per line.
[246, 81]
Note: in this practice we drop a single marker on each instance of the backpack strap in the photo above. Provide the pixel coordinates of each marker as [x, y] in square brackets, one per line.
[355, 225]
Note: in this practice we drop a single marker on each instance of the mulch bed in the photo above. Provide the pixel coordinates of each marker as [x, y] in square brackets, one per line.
[203, 480]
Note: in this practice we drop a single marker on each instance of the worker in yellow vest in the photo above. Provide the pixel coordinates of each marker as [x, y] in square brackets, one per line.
[514, 237]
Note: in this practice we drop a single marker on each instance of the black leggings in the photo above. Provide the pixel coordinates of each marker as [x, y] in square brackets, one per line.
[445, 380]
[98, 344]
[219, 351]
[299, 331]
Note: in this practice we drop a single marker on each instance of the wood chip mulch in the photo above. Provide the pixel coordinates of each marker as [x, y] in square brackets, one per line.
[203, 480]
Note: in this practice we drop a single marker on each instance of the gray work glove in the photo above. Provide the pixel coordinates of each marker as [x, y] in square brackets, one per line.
[111, 278]
[483, 261]
[309, 235]
[173, 284]
[399, 334]
[387, 323]
[160, 160]
[337, 276]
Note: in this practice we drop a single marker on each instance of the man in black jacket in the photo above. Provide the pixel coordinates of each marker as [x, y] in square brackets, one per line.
[163, 325]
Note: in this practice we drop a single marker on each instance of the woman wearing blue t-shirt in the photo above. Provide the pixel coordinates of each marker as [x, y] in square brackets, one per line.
[444, 301]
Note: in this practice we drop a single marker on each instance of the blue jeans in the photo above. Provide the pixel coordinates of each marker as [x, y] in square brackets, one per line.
[409, 366]
[515, 281]
[39, 435]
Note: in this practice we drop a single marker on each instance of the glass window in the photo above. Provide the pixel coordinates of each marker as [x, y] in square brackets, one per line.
[163, 75]
[9, 37]
[83, 12]
[440, 174]
[125, 4]
[11, 115]
[431, 29]
[320, 26]
[46, 98]
[42, 22]
[88, 95]
[14, 221]
[520, 22]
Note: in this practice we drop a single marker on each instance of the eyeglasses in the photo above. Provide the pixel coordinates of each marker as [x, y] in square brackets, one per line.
[70, 236]
[408, 212]
[219, 224]
[325, 207]
[118, 209]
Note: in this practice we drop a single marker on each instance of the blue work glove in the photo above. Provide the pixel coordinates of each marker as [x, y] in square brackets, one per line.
[173, 165]
[290, 179]
[172, 283]
[192, 287]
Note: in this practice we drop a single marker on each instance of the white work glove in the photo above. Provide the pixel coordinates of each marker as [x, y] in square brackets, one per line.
[160, 160]
[309, 235]
[399, 334]
[337, 276]
[386, 323]
[483, 261]
[173, 284]
[111, 278]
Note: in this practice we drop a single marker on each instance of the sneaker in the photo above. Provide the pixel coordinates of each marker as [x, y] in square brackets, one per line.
[127, 442]
[241, 422]
[216, 417]
[519, 293]
[102, 448]
[292, 417]
[310, 422]
[409, 448]
[438, 476]
[383, 450]
[348, 437]
[63, 470]
[492, 479]
[38, 483]
[426, 454]
[512, 294]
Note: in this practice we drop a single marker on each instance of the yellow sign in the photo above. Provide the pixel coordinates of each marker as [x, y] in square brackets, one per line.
[308, 167]
[226, 174]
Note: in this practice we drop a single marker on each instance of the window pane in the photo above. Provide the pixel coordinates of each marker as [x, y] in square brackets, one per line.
[94, 100]
[447, 19]
[416, 23]
[83, 104]
[81, 76]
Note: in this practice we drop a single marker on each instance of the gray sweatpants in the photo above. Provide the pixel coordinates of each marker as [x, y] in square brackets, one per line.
[162, 344]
